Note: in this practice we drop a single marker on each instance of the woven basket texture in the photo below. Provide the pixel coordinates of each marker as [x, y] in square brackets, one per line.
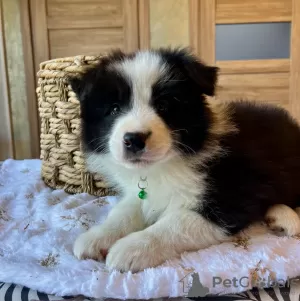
[63, 165]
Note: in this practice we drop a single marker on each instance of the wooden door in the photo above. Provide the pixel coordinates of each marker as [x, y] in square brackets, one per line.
[64, 28]
[271, 72]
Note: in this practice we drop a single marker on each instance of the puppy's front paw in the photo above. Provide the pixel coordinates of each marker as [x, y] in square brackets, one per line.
[283, 220]
[95, 243]
[135, 253]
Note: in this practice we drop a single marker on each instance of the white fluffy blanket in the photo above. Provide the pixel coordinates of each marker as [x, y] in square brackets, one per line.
[38, 227]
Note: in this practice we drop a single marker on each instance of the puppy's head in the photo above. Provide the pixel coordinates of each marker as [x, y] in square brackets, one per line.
[145, 107]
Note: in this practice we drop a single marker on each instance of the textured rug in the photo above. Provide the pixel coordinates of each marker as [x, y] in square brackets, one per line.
[38, 227]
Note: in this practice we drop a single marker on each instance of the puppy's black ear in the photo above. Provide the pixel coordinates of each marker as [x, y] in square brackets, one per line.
[205, 77]
[83, 83]
[76, 84]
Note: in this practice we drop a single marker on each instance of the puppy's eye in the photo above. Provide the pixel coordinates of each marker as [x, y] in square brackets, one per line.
[163, 105]
[115, 110]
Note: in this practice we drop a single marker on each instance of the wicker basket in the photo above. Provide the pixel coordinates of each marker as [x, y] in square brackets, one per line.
[63, 165]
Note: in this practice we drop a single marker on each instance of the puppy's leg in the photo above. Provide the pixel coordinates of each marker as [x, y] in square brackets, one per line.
[125, 217]
[283, 220]
[173, 234]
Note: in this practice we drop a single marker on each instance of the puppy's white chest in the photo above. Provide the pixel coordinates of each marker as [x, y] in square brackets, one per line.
[154, 205]
[171, 186]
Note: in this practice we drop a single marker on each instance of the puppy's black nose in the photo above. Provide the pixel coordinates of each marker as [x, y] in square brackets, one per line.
[135, 142]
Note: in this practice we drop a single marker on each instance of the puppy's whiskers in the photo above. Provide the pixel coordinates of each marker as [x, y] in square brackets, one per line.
[186, 147]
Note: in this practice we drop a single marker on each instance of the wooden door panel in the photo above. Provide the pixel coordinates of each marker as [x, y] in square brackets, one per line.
[252, 11]
[66, 42]
[295, 61]
[82, 27]
[84, 14]
[92, 8]
[262, 87]
[57, 22]
[39, 29]
[262, 80]
[254, 66]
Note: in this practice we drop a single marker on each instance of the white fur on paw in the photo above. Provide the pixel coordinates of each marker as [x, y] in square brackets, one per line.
[135, 253]
[94, 243]
[283, 220]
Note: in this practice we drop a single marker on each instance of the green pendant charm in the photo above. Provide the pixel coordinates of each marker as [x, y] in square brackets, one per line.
[142, 194]
[142, 184]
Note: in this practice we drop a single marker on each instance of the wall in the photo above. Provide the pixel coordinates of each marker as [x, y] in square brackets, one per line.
[6, 146]
[16, 78]
[169, 23]
[16, 99]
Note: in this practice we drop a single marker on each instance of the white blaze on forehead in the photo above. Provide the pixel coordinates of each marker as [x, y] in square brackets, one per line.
[142, 71]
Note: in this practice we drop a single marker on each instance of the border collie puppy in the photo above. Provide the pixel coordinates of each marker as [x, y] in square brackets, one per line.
[191, 174]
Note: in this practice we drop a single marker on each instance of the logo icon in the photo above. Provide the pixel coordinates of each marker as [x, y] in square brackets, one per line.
[195, 288]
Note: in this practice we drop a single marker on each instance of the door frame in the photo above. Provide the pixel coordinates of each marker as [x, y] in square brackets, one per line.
[6, 133]
[31, 79]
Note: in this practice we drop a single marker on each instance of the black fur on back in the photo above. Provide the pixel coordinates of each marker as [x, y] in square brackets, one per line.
[261, 167]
